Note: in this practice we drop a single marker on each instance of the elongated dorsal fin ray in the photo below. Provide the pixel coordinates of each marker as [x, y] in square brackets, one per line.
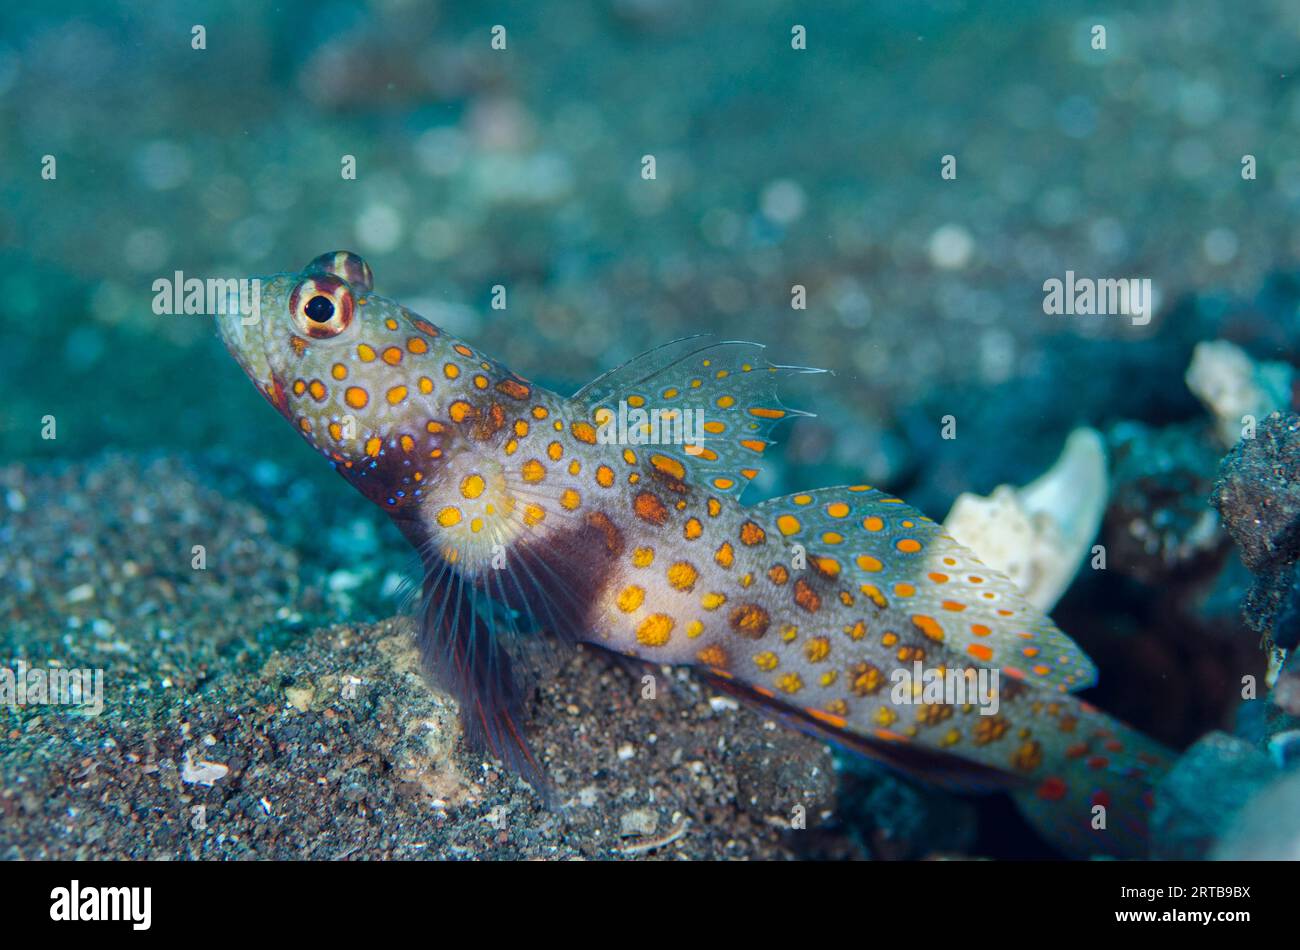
[903, 562]
[708, 408]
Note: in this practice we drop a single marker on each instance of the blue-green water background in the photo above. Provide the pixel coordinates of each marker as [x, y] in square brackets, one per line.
[775, 167]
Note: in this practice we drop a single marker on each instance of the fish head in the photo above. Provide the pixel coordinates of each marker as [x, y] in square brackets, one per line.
[348, 369]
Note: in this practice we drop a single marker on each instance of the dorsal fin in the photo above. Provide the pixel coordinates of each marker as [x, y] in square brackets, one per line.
[729, 389]
[904, 562]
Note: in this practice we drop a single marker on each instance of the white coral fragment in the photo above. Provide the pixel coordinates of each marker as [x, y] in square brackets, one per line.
[1038, 535]
[1233, 387]
[202, 772]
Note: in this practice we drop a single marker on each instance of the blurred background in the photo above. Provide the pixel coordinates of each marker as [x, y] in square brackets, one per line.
[522, 167]
[774, 167]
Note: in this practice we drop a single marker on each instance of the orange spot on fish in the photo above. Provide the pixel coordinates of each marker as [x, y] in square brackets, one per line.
[1052, 789]
[835, 722]
[649, 508]
[929, 626]
[514, 389]
[668, 466]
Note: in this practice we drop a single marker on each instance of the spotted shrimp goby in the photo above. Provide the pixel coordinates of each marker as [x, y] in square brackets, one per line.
[532, 512]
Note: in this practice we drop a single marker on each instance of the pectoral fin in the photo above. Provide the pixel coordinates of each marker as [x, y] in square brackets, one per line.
[463, 642]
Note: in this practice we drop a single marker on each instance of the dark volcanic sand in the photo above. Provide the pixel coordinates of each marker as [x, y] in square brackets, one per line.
[212, 677]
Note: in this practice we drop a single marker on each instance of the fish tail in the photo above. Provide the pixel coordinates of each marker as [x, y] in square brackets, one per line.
[1098, 797]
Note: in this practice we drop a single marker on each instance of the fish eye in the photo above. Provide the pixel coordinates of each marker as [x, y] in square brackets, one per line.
[321, 306]
[346, 265]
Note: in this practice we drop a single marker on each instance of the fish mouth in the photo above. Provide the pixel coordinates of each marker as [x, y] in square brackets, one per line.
[234, 334]
[244, 340]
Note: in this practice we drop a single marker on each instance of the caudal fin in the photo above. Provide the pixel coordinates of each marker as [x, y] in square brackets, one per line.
[1099, 801]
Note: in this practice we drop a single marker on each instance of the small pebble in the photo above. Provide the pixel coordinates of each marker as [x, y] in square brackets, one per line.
[640, 822]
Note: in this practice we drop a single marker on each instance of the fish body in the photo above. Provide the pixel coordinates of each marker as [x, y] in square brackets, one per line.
[613, 517]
